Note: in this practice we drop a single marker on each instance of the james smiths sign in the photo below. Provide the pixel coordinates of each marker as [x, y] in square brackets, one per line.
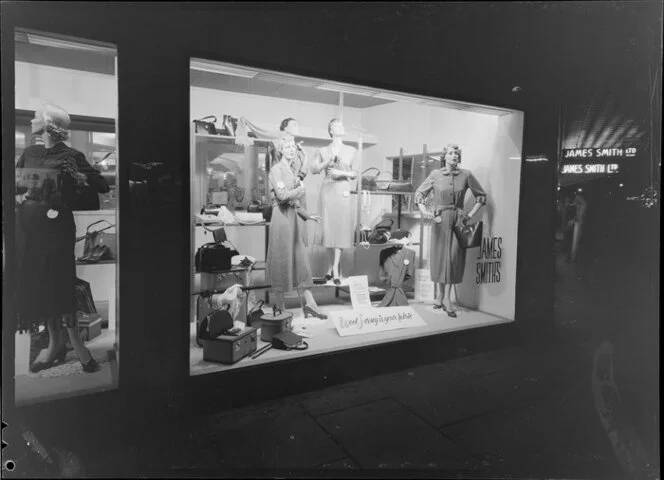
[593, 160]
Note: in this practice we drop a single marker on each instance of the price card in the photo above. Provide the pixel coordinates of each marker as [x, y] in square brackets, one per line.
[424, 287]
[359, 291]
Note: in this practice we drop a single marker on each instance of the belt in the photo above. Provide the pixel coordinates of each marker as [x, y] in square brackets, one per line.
[440, 209]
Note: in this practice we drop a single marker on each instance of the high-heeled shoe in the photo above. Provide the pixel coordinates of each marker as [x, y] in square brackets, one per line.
[91, 365]
[310, 311]
[337, 281]
[438, 306]
[328, 276]
[59, 358]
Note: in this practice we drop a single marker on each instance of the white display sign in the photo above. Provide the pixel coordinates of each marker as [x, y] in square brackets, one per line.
[359, 291]
[371, 320]
[424, 286]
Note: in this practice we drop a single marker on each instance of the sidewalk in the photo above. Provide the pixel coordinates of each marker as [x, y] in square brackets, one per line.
[526, 411]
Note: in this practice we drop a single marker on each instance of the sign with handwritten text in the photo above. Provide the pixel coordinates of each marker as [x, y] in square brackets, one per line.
[371, 320]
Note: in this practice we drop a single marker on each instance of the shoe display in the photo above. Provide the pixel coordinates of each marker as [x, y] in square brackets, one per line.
[310, 311]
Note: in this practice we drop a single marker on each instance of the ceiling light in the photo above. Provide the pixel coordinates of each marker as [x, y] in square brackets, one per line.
[336, 87]
[287, 79]
[68, 44]
[213, 67]
[395, 97]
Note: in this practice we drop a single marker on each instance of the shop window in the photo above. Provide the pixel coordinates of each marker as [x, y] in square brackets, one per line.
[292, 178]
[66, 209]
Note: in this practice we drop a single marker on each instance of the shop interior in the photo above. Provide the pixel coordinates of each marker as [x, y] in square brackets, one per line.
[235, 118]
[80, 77]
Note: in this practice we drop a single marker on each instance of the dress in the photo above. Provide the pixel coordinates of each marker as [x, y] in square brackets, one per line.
[287, 258]
[335, 201]
[447, 259]
[46, 233]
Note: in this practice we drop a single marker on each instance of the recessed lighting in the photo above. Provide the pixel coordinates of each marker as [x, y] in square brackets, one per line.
[336, 87]
[68, 44]
[213, 67]
[395, 97]
[621, 185]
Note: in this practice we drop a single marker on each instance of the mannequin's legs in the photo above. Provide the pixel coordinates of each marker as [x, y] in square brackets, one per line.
[335, 264]
[440, 294]
[447, 296]
[55, 341]
[81, 350]
[309, 299]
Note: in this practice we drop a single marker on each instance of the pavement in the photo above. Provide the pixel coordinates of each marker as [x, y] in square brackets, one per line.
[527, 411]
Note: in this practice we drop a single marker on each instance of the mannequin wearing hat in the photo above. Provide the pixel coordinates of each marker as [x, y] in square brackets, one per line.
[336, 160]
[448, 186]
[287, 259]
[46, 289]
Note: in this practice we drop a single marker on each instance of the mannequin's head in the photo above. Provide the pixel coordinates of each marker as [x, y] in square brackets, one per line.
[451, 154]
[51, 120]
[286, 147]
[290, 125]
[336, 128]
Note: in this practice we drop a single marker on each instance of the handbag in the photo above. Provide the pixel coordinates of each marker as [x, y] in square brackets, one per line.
[99, 245]
[288, 341]
[401, 186]
[469, 235]
[214, 257]
[201, 125]
[369, 179]
[215, 323]
[381, 232]
[254, 316]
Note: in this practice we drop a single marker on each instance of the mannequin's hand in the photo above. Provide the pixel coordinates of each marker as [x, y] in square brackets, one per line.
[464, 217]
[315, 218]
[426, 214]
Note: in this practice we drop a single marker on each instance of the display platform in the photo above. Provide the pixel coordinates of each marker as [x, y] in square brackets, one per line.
[325, 338]
[68, 379]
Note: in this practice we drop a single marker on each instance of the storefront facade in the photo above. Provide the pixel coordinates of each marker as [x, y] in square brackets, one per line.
[155, 47]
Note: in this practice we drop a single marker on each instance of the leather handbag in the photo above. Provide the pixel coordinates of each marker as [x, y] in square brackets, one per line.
[401, 186]
[215, 257]
[254, 316]
[381, 232]
[369, 178]
[469, 235]
[206, 125]
[288, 341]
[215, 323]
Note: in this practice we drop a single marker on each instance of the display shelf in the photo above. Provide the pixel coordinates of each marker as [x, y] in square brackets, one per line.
[100, 262]
[372, 245]
[307, 139]
[198, 223]
[383, 192]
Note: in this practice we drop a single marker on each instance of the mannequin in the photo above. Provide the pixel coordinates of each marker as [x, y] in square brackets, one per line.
[46, 234]
[335, 202]
[448, 186]
[287, 259]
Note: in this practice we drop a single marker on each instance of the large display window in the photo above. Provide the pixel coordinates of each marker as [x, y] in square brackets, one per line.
[66, 154]
[328, 216]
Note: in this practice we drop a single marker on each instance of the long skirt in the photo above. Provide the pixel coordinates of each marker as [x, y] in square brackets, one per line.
[46, 283]
[336, 227]
[287, 257]
[448, 259]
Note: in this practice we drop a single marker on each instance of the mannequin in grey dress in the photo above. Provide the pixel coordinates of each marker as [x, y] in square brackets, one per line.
[335, 204]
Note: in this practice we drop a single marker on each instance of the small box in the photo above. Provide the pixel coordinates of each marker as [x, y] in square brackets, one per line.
[230, 349]
[89, 325]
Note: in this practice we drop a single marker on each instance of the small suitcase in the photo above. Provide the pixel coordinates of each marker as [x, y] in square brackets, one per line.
[230, 349]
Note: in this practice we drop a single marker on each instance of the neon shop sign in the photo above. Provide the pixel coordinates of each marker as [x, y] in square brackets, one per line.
[599, 153]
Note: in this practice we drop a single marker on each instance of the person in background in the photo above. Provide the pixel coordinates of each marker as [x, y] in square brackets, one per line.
[47, 179]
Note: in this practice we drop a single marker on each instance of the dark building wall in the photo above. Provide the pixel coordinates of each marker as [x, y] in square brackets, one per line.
[471, 52]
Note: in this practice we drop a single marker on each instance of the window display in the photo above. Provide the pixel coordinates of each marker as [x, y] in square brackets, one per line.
[66, 243]
[351, 230]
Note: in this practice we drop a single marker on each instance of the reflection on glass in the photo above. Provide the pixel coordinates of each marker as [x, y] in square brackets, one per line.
[66, 237]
